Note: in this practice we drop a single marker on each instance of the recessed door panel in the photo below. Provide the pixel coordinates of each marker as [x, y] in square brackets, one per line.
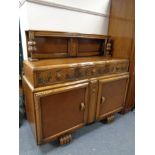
[111, 97]
[61, 110]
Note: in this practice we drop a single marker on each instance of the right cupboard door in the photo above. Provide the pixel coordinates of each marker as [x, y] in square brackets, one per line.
[111, 96]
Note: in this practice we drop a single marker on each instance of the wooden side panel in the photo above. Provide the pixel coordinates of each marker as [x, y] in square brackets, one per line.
[28, 73]
[29, 105]
[121, 27]
[112, 95]
[130, 100]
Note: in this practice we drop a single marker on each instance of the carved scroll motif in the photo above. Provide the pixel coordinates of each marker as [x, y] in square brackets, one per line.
[77, 73]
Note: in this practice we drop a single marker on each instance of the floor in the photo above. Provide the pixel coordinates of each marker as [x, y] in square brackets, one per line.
[117, 138]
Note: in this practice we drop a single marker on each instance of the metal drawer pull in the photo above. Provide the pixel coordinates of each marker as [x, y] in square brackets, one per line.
[82, 106]
[102, 99]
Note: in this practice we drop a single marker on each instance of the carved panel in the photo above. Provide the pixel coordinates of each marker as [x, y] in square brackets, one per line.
[121, 67]
[70, 74]
[44, 77]
[52, 76]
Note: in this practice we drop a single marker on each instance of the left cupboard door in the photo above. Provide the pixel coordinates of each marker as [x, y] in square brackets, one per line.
[60, 111]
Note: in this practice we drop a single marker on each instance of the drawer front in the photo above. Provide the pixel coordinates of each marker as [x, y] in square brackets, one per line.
[111, 96]
[61, 110]
[78, 72]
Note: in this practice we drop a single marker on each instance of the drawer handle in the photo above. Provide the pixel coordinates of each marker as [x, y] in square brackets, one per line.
[82, 106]
[102, 99]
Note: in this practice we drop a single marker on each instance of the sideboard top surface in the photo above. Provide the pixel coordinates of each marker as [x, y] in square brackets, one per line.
[70, 61]
[67, 34]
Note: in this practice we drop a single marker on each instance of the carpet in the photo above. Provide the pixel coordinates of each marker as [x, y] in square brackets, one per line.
[117, 138]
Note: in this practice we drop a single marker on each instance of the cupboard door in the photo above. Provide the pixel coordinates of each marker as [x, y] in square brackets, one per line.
[111, 96]
[60, 110]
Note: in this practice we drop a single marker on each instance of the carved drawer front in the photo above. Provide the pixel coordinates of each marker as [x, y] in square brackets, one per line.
[121, 67]
[61, 110]
[78, 72]
[111, 96]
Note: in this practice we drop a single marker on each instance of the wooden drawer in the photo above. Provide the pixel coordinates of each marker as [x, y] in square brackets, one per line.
[111, 96]
[78, 72]
[59, 111]
[52, 74]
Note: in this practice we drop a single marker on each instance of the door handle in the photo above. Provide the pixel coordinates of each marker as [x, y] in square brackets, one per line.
[82, 106]
[102, 99]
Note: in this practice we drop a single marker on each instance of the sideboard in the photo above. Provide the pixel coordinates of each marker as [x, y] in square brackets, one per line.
[71, 80]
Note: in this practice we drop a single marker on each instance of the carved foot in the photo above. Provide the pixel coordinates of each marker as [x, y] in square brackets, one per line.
[109, 119]
[65, 139]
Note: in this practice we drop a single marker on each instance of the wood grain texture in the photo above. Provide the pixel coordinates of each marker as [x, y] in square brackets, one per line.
[56, 103]
[64, 94]
[130, 99]
[73, 47]
[93, 91]
[111, 95]
[46, 72]
[122, 30]
[48, 44]
[121, 27]
[30, 107]
[67, 34]
[57, 111]
[59, 85]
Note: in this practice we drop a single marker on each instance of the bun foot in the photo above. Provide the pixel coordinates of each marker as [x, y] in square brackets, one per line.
[109, 119]
[65, 139]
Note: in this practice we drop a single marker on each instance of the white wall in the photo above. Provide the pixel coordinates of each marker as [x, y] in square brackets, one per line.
[100, 6]
[24, 25]
[35, 16]
[50, 18]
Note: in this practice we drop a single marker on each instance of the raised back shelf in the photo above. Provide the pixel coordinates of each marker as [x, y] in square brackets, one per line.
[48, 44]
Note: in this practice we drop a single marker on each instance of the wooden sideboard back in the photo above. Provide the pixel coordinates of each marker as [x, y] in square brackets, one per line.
[48, 44]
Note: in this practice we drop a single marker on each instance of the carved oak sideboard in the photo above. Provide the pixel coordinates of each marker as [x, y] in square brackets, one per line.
[64, 94]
